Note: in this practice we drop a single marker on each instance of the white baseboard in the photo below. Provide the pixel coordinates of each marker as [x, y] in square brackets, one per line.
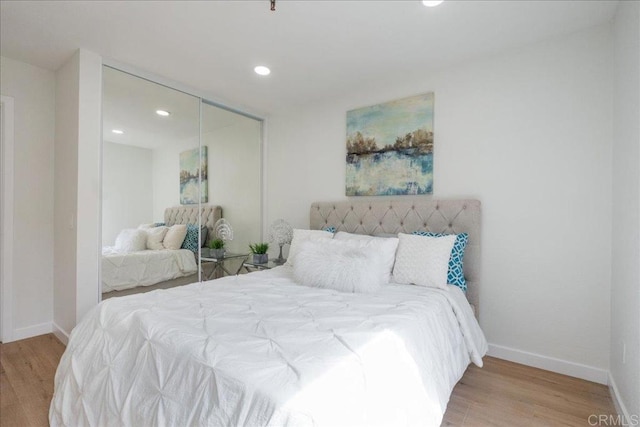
[60, 333]
[31, 331]
[552, 364]
[617, 402]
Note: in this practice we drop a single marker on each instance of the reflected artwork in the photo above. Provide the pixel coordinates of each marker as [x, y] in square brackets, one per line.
[192, 164]
[390, 148]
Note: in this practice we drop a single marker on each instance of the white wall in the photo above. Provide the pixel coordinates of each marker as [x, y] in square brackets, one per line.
[66, 195]
[77, 189]
[625, 284]
[89, 222]
[166, 175]
[526, 132]
[127, 189]
[33, 90]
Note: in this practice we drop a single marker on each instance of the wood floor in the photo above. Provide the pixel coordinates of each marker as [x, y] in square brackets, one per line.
[500, 394]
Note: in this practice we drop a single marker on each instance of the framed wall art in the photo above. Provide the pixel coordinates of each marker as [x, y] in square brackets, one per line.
[192, 164]
[390, 148]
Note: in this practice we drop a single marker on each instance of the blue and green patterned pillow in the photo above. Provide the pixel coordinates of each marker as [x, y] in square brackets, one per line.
[191, 239]
[329, 229]
[455, 274]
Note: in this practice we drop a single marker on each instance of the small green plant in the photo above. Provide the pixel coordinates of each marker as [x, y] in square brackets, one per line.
[259, 248]
[216, 244]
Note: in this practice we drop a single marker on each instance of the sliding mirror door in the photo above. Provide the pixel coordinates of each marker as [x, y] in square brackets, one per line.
[150, 134]
[234, 144]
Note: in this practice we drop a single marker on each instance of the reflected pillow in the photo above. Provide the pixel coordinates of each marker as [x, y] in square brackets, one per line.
[155, 236]
[342, 265]
[175, 236]
[131, 240]
[191, 239]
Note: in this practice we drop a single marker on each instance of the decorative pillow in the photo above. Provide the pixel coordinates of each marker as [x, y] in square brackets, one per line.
[300, 236]
[204, 232]
[345, 266]
[455, 274]
[329, 229]
[131, 240]
[191, 239]
[175, 236]
[423, 260]
[159, 224]
[386, 246]
[155, 236]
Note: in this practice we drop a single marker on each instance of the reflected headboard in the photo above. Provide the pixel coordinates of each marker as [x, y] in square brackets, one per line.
[392, 216]
[189, 215]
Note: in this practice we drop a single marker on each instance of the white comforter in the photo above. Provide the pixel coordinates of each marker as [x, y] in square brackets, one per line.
[258, 349]
[144, 268]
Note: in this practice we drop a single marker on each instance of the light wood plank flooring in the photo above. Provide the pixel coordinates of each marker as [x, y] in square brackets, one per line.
[500, 394]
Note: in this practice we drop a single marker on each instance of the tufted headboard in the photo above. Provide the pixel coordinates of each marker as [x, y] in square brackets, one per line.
[392, 216]
[189, 215]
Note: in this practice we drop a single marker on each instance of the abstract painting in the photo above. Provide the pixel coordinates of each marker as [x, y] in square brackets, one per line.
[193, 164]
[390, 148]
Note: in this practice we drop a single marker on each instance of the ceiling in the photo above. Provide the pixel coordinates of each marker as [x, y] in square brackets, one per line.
[129, 103]
[317, 50]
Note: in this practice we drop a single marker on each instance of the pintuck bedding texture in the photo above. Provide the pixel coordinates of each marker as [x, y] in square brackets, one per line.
[260, 349]
[144, 268]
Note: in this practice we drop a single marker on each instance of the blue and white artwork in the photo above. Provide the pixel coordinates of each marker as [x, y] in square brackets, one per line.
[390, 148]
[193, 163]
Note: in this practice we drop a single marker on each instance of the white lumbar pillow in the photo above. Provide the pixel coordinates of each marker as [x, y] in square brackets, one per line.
[175, 236]
[423, 260]
[385, 246]
[155, 236]
[341, 265]
[131, 240]
[300, 236]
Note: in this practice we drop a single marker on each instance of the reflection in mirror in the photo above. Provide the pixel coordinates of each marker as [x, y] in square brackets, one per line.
[142, 154]
[233, 142]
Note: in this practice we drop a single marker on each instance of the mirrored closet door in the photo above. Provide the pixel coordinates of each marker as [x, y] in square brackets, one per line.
[150, 132]
[172, 161]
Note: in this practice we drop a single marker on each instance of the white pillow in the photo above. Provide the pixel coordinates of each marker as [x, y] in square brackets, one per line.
[386, 246]
[155, 236]
[300, 236]
[131, 240]
[345, 266]
[423, 260]
[175, 236]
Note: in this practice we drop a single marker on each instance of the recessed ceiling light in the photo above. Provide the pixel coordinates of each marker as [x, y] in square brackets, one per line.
[163, 113]
[432, 3]
[118, 131]
[262, 70]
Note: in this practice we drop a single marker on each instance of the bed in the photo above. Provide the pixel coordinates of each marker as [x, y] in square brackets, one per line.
[261, 349]
[131, 272]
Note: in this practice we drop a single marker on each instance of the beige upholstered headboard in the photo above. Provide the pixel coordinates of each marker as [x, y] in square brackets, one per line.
[189, 215]
[392, 216]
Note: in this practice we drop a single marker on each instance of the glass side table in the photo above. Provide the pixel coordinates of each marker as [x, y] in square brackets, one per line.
[251, 266]
[221, 265]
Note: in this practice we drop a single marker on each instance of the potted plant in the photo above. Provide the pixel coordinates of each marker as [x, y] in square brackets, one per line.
[216, 248]
[259, 251]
